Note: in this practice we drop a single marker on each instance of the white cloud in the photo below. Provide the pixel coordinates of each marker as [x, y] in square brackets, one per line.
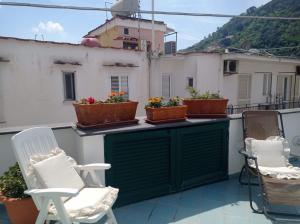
[48, 27]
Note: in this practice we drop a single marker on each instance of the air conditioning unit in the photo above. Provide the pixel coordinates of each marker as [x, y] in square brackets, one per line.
[298, 70]
[170, 47]
[230, 67]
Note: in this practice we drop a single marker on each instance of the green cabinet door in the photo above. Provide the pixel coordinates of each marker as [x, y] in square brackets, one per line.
[202, 154]
[141, 165]
[152, 163]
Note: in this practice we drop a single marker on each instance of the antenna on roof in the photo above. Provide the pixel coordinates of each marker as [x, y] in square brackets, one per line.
[107, 8]
[125, 7]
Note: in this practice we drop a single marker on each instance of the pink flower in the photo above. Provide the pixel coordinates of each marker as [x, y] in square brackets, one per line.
[91, 100]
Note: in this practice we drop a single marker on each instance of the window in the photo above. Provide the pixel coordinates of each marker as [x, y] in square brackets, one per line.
[166, 85]
[190, 82]
[230, 66]
[69, 85]
[298, 70]
[267, 84]
[120, 83]
[126, 31]
[130, 45]
[285, 86]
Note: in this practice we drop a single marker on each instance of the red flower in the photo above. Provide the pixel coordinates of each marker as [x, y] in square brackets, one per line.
[91, 100]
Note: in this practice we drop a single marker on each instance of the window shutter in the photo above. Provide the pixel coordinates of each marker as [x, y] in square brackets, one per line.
[297, 87]
[124, 86]
[279, 88]
[166, 86]
[244, 87]
[115, 84]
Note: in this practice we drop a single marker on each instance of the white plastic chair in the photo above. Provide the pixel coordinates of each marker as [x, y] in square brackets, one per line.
[41, 140]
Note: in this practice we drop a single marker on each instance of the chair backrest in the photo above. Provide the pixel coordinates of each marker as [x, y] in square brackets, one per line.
[31, 142]
[262, 124]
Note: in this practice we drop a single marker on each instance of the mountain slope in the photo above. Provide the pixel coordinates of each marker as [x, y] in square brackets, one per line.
[258, 33]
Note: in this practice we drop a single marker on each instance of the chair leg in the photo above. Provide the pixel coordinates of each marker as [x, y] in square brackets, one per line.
[61, 211]
[111, 217]
[250, 192]
[243, 170]
[43, 212]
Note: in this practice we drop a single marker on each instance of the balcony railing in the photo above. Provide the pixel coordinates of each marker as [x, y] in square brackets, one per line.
[275, 105]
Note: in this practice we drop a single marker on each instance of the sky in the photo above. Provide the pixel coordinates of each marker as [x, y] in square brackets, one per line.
[70, 26]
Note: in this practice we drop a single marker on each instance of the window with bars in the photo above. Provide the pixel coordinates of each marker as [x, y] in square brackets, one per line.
[120, 83]
[69, 86]
[166, 86]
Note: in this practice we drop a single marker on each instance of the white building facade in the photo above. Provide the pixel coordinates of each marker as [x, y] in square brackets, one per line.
[243, 79]
[40, 80]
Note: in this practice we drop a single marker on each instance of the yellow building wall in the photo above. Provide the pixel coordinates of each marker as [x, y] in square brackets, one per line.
[106, 39]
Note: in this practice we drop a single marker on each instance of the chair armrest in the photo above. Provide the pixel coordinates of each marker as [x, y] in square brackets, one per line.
[247, 154]
[93, 166]
[53, 192]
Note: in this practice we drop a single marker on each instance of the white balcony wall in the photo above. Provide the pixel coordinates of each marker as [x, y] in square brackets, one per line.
[91, 149]
[32, 84]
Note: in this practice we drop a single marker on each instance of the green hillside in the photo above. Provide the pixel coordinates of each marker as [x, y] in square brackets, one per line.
[258, 33]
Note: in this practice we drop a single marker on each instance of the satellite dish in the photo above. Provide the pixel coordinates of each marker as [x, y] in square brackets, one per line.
[129, 6]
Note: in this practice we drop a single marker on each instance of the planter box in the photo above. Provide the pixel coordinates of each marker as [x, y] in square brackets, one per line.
[105, 113]
[166, 114]
[206, 108]
[20, 211]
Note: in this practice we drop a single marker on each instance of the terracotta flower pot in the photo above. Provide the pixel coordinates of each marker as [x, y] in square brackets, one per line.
[101, 113]
[166, 114]
[20, 211]
[209, 106]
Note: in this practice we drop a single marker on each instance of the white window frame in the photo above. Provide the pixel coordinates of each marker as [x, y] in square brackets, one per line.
[120, 84]
[170, 87]
[64, 73]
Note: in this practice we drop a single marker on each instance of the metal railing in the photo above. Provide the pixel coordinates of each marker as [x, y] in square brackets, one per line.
[279, 105]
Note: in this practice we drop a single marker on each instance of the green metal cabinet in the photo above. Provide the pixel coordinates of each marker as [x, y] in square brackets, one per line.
[151, 163]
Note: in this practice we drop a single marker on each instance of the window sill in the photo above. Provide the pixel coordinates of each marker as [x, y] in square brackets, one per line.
[69, 102]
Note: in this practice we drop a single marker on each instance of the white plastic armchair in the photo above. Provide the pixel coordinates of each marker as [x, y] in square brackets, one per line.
[40, 141]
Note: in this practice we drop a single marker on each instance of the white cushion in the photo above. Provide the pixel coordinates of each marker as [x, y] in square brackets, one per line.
[57, 172]
[269, 152]
[89, 201]
[289, 172]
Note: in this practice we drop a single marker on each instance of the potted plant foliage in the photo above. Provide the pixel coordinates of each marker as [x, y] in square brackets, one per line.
[115, 110]
[19, 206]
[205, 105]
[158, 111]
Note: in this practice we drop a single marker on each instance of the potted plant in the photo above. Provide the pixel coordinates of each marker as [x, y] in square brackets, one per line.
[19, 206]
[207, 105]
[158, 111]
[115, 110]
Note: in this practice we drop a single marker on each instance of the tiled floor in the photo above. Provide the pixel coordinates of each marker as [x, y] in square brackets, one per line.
[220, 203]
